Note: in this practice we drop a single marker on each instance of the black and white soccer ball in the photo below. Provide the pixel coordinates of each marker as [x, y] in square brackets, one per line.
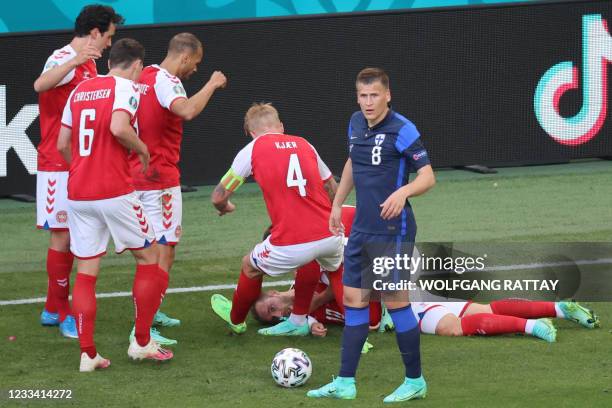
[291, 368]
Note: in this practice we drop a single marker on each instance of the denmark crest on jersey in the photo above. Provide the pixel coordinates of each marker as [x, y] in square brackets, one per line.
[379, 139]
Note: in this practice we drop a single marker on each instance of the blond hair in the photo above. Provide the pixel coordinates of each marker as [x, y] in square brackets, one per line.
[260, 116]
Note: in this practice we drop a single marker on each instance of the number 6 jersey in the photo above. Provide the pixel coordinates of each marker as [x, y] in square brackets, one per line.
[290, 173]
[99, 168]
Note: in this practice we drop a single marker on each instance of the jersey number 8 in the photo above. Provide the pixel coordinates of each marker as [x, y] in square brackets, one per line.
[86, 135]
[294, 175]
[376, 159]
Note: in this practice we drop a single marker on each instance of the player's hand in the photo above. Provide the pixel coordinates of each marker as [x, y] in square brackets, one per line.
[393, 205]
[229, 207]
[217, 80]
[335, 221]
[88, 52]
[144, 158]
[318, 329]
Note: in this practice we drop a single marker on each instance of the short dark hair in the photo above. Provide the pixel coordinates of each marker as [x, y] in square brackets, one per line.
[184, 42]
[96, 16]
[368, 76]
[124, 52]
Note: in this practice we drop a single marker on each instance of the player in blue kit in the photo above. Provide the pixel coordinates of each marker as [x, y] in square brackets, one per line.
[384, 147]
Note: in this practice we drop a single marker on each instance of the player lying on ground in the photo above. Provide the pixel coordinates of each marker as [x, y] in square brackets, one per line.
[163, 108]
[297, 188]
[441, 318]
[500, 317]
[98, 130]
[63, 71]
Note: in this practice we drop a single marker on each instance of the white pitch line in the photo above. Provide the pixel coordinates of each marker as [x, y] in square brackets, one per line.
[210, 288]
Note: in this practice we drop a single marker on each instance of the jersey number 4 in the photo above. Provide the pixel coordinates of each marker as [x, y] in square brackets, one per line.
[294, 175]
[86, 135]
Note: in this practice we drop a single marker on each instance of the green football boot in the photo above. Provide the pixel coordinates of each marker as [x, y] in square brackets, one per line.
[163, 320]
[367, 346]
[386, 322]
[579, 314]
[339, 388]
[155, 335]
[222, 307]
[545, 330]
[286, 328]
[412, 388]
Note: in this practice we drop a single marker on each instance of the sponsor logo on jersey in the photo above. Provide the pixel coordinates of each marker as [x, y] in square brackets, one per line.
[379, 139]
[179, 90]
[51, 64]
[61, 217]
[133, 102]
[419, 155]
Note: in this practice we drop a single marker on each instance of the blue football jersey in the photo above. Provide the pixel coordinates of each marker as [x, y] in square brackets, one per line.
[382, 158]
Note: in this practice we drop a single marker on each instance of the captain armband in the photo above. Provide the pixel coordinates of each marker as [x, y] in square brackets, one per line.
[231, 181]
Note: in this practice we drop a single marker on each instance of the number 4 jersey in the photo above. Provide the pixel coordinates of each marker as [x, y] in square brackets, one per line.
[99, 168]
[291, 175]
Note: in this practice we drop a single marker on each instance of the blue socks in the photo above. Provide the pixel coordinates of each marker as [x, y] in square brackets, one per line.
[408, 339]
[356, 326]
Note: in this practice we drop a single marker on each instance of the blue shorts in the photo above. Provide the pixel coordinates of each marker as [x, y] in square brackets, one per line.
[361, 251]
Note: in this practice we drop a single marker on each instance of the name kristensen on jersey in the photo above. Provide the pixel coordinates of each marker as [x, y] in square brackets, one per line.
[91, 95]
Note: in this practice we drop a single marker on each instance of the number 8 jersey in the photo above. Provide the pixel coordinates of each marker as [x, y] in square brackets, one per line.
[99, 168]
[291, 174]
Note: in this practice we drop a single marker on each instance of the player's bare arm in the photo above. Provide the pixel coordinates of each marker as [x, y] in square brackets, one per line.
[192, 107]
[122, 129]
[331, 187]
[323, 298]
[423, 182]
[344, 189]
[64, 143]
[220, 199]
[52, 77]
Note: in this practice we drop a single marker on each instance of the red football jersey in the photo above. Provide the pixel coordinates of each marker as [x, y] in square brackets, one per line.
[51, 103]
[329, 313]
[99, 167]
[159, 128]
[290, 173]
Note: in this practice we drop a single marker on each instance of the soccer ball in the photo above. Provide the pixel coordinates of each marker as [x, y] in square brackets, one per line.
[291, 368]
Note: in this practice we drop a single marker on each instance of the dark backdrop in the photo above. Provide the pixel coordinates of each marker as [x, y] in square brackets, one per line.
[466, 78]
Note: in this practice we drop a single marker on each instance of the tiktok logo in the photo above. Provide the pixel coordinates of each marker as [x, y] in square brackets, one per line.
[597, 52]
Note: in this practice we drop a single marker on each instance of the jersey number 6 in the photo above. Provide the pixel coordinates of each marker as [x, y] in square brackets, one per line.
[294, 175]
[86, 135]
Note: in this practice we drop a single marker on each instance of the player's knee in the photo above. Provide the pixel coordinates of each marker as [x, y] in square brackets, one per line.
[60, 241]
[146, 256]
[449, 327]
[248, 269]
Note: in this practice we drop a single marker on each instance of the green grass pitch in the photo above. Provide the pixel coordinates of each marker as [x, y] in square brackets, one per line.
[212, 368]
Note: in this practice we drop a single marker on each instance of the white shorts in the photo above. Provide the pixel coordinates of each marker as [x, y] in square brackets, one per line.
[92, 223]
[52, 200]
[278, 260]
[165, 211]
[429, 314]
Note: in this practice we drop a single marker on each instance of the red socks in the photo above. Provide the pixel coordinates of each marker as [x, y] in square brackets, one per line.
[335, 280]
[523, 308]
[84, 308]
[50, 302]
[246, 294]
[146, 293]
[486, 324]
[306, 280]
[375, 313]
[164, 280]
[59, 266]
